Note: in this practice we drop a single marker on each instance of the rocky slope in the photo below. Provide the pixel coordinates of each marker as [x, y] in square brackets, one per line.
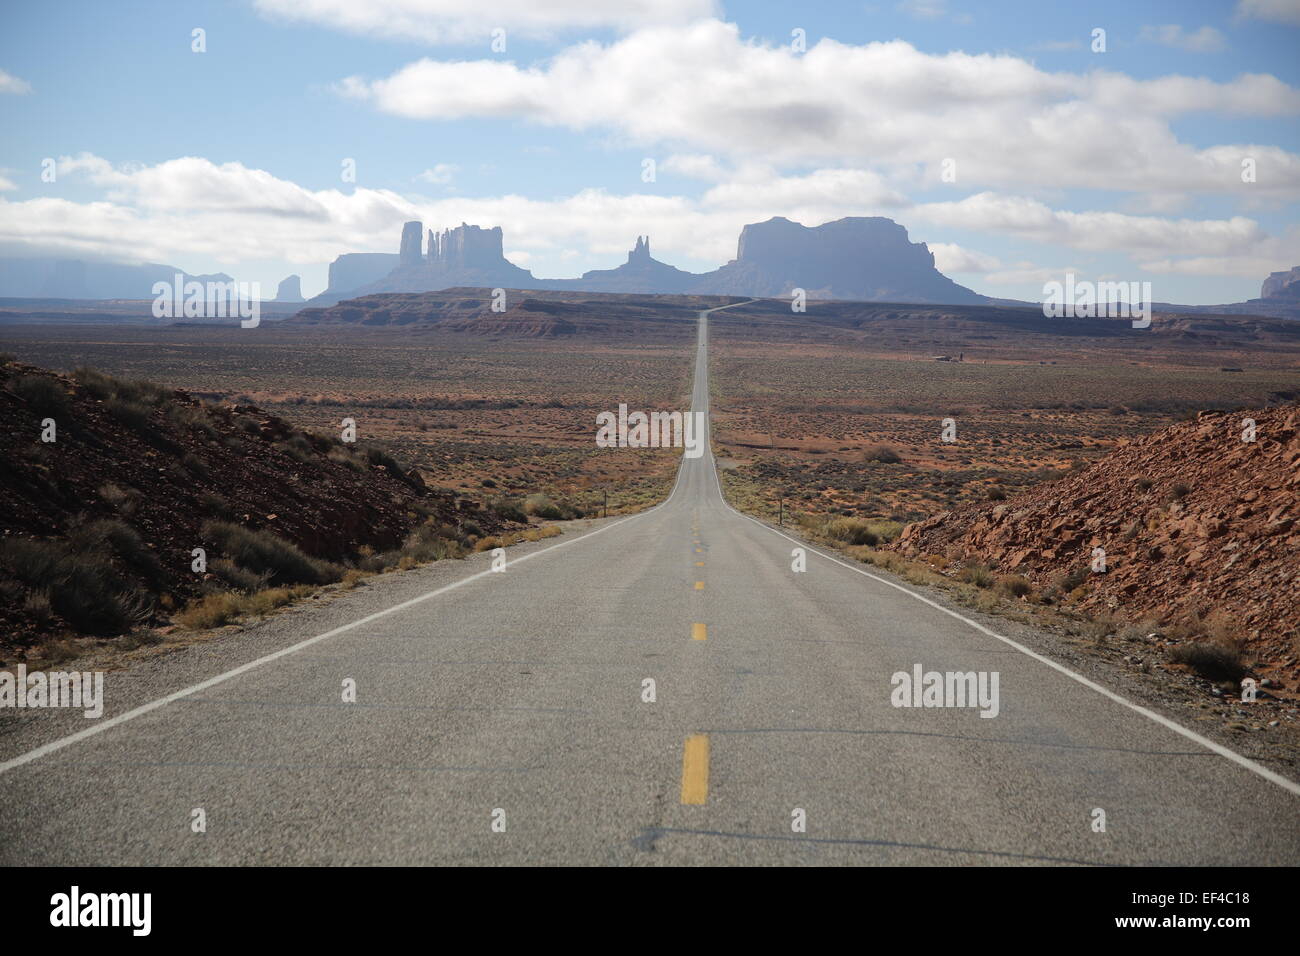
[1198, 527]
[111, 510]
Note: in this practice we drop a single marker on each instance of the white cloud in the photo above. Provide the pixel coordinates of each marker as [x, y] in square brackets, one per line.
[950, 258]
[1096, 231]
[695, 165]
[1274, 11]
[440, 174]
[193, 210]
[1204, 40]
[6, 184]
[465, 21]
[701, 88]
[1270, 254]
[12, 84]
[824, 189]
[1026, 273]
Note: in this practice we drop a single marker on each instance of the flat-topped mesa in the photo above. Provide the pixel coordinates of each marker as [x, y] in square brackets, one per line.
[467, 246]
[1281, 283]
[869, 259]
[412, 237]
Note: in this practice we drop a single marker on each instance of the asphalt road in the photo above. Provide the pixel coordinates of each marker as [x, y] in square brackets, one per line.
[516, 698]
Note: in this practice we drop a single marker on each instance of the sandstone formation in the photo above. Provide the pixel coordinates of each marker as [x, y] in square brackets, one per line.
[1281, 284]
[289, 289]
[409, 252]
[1192, 520]
[864, 259]
[352, 270]
[641, 274]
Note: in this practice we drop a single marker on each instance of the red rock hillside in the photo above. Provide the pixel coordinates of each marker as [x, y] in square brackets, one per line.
[1193, 520]
[113, 507]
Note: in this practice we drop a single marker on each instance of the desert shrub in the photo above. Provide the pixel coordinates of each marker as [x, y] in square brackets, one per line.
[430, 543]
[1216, 662]
[195, 465]
[996, 494]
[237, 578]
[84, 588]
[505, 508]
[377, 563]
[95, 382]
[488, 483]
[120, 499]
[146, 393]
[542, 507]
[134, 415]
[1014, 585]
[36, 605]
[1178, 492]
[45, 395]
[298, 448]
[344, 457]
[215, 504]
[266, 601]
[976, 574]
[377, 456]
[191, 417]
[265, 553]
[853, 531]
[881, 453]
[1072, 579]
[124, 541]
[213, 610]
[105, 387]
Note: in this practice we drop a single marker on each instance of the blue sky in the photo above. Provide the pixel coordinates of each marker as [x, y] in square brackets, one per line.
[1065, 158]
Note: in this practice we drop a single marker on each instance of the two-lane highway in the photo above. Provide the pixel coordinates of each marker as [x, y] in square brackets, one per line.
[507, 718]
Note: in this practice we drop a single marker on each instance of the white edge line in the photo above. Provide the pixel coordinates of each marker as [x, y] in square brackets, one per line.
[101, 726]
[1222, 751]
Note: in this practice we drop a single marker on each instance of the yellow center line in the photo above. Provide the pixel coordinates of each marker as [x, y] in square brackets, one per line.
[699, 632]
[695, 770]
[699, 585]
[699, 564]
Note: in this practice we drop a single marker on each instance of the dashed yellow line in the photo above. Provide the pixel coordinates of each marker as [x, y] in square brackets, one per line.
[699, 564]
[699, 632]
[695, 770]
[699, 585]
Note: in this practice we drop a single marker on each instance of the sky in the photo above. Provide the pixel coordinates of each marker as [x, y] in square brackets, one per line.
[996, 132]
